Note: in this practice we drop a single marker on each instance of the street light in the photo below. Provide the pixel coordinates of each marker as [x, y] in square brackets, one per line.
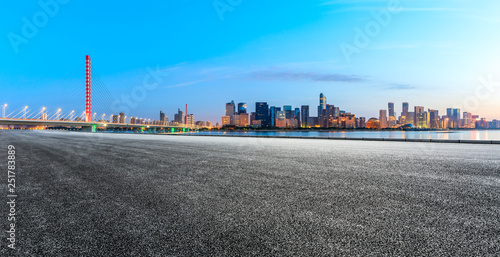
[3, 110]
[58, 114]
[24, 111]
[44, 115]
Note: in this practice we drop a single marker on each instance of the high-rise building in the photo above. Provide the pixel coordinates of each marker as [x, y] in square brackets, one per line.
[418, 110]
[262, 113]
[322, 104]
[405, 109]
[383, 119]
[114, 119]
[392, 115]
[179, 116]
[272, 115]
[242, 108]
[304, 117]
[244, 120]
[122, 118]
[162, 118]
[297, 116]
[230, 111]
[190, 120]
[288, 111]
[226, 120]
[434, 118]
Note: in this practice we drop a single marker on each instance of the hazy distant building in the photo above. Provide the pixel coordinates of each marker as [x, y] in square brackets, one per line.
[392, 115]
[262, 113]
[179, 117]
[230, 111]
[304, 116]
[122, 118]
[383, 119]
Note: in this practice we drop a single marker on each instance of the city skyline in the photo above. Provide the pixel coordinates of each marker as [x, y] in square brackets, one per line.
[421, 54]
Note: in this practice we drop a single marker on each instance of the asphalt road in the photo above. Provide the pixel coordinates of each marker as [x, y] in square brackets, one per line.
[84, 194]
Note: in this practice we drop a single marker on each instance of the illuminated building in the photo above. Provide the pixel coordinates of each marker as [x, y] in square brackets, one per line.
[242, 108]
[392, 115]
[226, 120]
[244, 120]
[383, 119]
[122, 118]
[304, 118]
[230, 111]
[418, 110]
[373, 123]
[262, 113]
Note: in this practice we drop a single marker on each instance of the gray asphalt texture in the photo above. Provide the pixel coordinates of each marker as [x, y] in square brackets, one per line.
[94, 194]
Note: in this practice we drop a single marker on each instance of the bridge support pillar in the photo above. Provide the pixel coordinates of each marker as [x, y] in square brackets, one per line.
[88, 129]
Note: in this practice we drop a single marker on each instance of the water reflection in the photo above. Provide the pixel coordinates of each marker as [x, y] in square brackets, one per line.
[453, 135]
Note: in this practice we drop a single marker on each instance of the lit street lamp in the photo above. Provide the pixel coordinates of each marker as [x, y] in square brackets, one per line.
[24, 111]
[3, 110]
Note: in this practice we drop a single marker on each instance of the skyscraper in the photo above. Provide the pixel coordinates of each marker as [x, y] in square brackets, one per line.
[322, 104]
[383, 119]
[304, 115]
[297, 116]
[288, 111]
[273, 115]
[242, 108]
[122, 117]
[418, 110]
[230, 111]
[392, 115]
[179, 116]
[405, 109]
[262, 113]
[162, 118]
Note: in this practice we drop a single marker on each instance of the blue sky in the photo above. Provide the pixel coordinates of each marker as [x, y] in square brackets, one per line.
[207, 53]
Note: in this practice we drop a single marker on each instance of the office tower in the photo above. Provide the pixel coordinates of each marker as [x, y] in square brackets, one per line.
[304, 118]
[392, 115]
[322, 105]
[288, 111]
[242, 108]
[434, 119]
[114, 119]
[422, 119]
[230, 111]
[190, 120]
[236, 119]
[272, 113]
[132, 120]
[328, 118]
[162, 118]
[467, 120]
[297, 116]
[226, 120]
[418, 110]
[208, 124]
[405, 109]
[262, 113]
[122, 117]
[361, 122]
[179, 116]
[383, 119]
[244, 120]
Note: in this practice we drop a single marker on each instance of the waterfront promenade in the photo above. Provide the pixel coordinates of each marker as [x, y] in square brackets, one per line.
[103, 194]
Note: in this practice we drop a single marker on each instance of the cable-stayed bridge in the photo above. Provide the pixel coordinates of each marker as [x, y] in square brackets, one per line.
[92, 113]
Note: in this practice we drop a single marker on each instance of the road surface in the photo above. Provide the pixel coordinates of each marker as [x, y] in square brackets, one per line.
[95, 194]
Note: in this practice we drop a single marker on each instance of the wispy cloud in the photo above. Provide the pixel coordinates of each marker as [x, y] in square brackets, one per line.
[186, 83]
[396, 86]
[300, 76]
[396, 46]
